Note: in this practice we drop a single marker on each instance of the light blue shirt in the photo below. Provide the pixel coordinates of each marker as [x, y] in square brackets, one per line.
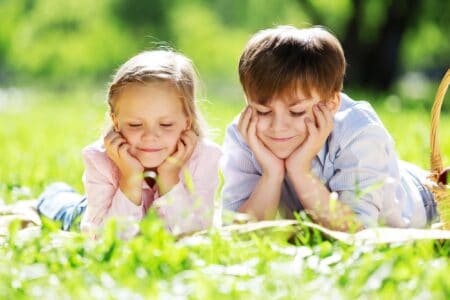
[358, 162]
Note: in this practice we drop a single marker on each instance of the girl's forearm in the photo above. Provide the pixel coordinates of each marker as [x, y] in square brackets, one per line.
[264, 200]
[323, 207]
[132, 188]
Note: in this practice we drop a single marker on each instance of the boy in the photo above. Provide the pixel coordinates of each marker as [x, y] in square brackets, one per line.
[301, 144]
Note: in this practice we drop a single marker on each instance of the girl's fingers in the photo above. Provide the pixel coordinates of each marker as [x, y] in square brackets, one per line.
[116, 142]
[190, 141]
[178, 155]
[122, 150]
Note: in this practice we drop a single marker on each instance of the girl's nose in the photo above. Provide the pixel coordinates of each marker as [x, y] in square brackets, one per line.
[151, 133]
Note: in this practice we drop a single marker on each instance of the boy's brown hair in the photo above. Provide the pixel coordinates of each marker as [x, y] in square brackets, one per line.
[280, 60]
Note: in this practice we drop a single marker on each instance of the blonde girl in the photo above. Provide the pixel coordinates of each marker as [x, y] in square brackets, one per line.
[155, 146]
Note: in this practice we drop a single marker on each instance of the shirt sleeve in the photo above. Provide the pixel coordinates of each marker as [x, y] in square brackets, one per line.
[362, 176]
[239, 171]
[104, 198]
[189, 205]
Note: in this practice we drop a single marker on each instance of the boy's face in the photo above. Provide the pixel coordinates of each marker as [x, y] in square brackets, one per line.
[281, 122]
[151, 118]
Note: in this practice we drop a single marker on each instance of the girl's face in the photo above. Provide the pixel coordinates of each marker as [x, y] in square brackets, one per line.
[281, 123]
[151, 118]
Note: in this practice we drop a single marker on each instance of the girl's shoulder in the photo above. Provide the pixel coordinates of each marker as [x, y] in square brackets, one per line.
[94, 149]
[94, 155]
[206, 148]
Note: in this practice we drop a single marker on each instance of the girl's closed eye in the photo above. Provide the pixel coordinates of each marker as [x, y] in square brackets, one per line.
[135, 125]
[297, 113]
[166, 125]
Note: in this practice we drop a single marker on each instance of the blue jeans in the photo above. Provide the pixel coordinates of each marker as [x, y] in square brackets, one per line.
[60, 202]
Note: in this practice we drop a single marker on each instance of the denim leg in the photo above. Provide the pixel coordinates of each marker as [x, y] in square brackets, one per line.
[419, 177]
[60, 202]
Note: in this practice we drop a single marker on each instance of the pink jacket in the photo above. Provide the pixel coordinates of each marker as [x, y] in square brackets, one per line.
[181, 209]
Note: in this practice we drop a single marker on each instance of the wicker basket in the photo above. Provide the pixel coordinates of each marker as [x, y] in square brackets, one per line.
[441, 189]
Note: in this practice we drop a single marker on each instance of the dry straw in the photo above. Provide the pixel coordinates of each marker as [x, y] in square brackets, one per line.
[441, 189]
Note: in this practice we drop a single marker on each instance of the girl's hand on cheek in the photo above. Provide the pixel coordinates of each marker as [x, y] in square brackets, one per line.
[318, 131]
[169, 170]
[117, 149]
[271, 165]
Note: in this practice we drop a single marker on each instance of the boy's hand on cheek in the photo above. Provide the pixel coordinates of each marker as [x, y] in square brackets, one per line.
[169, 170]
[272, 166]
[300, 160]
[117, 149]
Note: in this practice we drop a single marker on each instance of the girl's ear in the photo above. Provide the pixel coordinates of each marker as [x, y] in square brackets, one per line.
[114, 121]
[334, 102]
[188, 123]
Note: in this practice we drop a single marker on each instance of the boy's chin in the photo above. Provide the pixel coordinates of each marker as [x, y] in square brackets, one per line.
[281, 153]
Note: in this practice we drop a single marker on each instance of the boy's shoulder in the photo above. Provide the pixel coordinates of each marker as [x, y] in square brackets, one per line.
[356, 112]
[355, 118]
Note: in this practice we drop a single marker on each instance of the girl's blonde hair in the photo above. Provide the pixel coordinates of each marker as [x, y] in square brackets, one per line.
[161, 66]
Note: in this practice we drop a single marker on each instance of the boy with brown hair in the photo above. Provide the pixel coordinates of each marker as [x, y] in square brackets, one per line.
[302, 144]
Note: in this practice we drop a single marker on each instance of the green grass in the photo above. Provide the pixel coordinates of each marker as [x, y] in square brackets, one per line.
[42, 134]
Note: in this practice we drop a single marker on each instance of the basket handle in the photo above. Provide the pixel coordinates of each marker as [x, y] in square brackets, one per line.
[436, 159]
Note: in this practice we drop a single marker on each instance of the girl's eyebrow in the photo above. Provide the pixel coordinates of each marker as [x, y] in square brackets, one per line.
[298, 101]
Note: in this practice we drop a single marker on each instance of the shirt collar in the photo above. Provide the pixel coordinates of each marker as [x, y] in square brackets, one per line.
[322, 153]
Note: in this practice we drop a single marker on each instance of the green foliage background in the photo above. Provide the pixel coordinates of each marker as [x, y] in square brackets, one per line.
[56, 58]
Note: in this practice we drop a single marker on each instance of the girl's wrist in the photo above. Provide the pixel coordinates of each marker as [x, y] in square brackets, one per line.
[132, 189]
[166, 182]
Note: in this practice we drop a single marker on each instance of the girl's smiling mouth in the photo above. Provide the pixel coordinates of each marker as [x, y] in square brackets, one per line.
[150, 150]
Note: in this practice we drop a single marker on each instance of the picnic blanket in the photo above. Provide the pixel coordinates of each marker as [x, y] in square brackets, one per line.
[30, 223]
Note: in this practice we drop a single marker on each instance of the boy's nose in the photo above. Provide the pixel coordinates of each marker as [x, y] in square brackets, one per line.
[279, 122]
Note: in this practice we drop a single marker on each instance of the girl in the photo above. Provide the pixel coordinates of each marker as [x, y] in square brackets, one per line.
[156, 132]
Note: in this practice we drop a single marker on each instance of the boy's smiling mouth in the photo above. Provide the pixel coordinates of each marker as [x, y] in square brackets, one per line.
[280, 139]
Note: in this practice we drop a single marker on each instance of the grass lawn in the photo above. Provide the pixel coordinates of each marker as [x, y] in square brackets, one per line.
[42, 134]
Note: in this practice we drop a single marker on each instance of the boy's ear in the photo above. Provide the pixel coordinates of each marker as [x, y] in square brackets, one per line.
[114, 121]
[334, 102]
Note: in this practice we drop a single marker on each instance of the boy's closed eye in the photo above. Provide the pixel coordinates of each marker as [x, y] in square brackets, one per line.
[135, 125]
[262, 112]
[166, 125]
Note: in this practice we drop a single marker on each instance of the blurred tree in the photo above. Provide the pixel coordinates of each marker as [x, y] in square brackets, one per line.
[374, 34]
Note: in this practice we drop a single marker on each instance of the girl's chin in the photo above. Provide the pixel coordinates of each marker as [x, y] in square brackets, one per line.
[151, 163]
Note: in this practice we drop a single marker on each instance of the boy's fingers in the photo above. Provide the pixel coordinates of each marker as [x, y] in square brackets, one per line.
[252, 138]
[319, 114]
[312, 129]
[244, 122]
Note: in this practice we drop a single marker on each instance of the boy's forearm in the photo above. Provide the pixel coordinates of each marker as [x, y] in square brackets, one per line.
[322, 207]
[264, 200]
